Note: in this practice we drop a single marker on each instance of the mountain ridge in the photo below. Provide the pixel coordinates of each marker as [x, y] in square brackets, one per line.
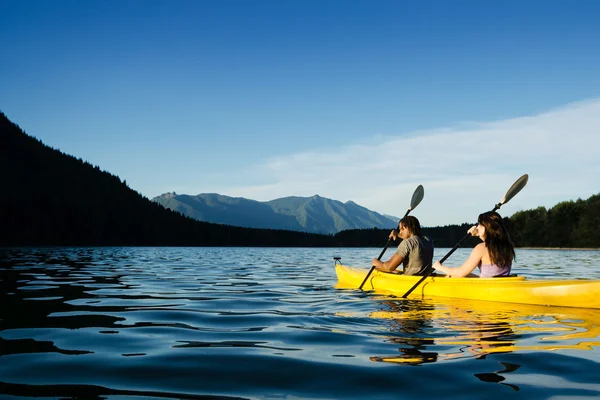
[314, 214]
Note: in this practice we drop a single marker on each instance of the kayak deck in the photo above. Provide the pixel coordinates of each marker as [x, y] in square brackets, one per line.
[513, 289]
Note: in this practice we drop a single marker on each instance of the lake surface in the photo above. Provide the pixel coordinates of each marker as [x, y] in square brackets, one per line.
[267, 323]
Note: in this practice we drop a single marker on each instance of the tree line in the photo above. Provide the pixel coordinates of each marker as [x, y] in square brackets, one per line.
[50, 198]
[568, 224]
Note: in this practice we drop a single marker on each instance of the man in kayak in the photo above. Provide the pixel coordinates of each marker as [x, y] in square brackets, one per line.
[494, 256]
[415, 251]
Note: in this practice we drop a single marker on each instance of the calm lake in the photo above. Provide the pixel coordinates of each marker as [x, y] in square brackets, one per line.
[268, 323]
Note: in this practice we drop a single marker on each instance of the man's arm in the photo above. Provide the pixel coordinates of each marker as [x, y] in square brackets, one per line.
[389, 265]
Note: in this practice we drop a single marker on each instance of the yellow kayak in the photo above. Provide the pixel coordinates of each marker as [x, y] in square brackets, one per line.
[517, 289]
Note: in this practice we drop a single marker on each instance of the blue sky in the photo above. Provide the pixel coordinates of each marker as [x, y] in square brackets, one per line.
[351, 100]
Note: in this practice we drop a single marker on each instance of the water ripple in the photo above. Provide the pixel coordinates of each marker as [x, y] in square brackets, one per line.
[267, 323]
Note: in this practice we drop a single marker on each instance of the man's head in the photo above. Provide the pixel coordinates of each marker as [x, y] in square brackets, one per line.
[409, 226]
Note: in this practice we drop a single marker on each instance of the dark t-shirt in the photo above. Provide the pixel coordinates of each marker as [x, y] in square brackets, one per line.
[417, 252]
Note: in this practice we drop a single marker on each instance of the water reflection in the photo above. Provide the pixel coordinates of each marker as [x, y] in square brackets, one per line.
[481, 328]
[497, 377]
[411, 319]
[430, 331]
[95, 392]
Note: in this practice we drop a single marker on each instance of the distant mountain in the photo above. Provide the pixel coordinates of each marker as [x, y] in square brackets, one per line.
[314, 214]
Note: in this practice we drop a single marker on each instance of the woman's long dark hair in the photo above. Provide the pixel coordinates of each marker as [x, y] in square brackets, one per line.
[500, 248]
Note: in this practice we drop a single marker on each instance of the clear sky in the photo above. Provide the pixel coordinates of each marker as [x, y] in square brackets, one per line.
[351, 100]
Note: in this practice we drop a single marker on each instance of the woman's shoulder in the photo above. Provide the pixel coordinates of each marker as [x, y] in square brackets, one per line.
[480, 248]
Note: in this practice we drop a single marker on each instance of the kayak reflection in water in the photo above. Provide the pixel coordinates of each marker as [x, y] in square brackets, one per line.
[409, 322]
[415, 251]
[428, 333]
[493, 257]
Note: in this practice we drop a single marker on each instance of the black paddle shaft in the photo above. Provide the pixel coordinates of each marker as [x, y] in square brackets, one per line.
[414, 202]
[380, 255]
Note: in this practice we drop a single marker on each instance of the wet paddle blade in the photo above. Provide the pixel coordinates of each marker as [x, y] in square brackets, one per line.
[515, 188]
[417, 197]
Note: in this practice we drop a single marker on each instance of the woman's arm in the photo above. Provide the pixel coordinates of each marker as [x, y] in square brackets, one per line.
[467, 267]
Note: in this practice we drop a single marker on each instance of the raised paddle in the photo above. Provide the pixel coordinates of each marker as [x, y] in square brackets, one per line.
[514, 189]
[414, 202]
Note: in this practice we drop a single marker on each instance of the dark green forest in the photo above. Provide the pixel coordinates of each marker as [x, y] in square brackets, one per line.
[446, 236]
[567, 224]
[49, 198]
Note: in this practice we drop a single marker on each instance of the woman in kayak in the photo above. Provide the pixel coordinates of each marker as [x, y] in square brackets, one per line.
[415, 251]
[494, 256]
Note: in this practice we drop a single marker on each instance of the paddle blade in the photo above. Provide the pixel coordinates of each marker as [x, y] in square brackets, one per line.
[417, 197]
[514, 189]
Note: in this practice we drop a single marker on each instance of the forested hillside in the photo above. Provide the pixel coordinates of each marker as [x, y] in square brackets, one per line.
[51, 198]
[567, 224]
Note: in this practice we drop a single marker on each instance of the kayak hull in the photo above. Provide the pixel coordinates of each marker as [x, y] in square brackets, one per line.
[517, 289]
